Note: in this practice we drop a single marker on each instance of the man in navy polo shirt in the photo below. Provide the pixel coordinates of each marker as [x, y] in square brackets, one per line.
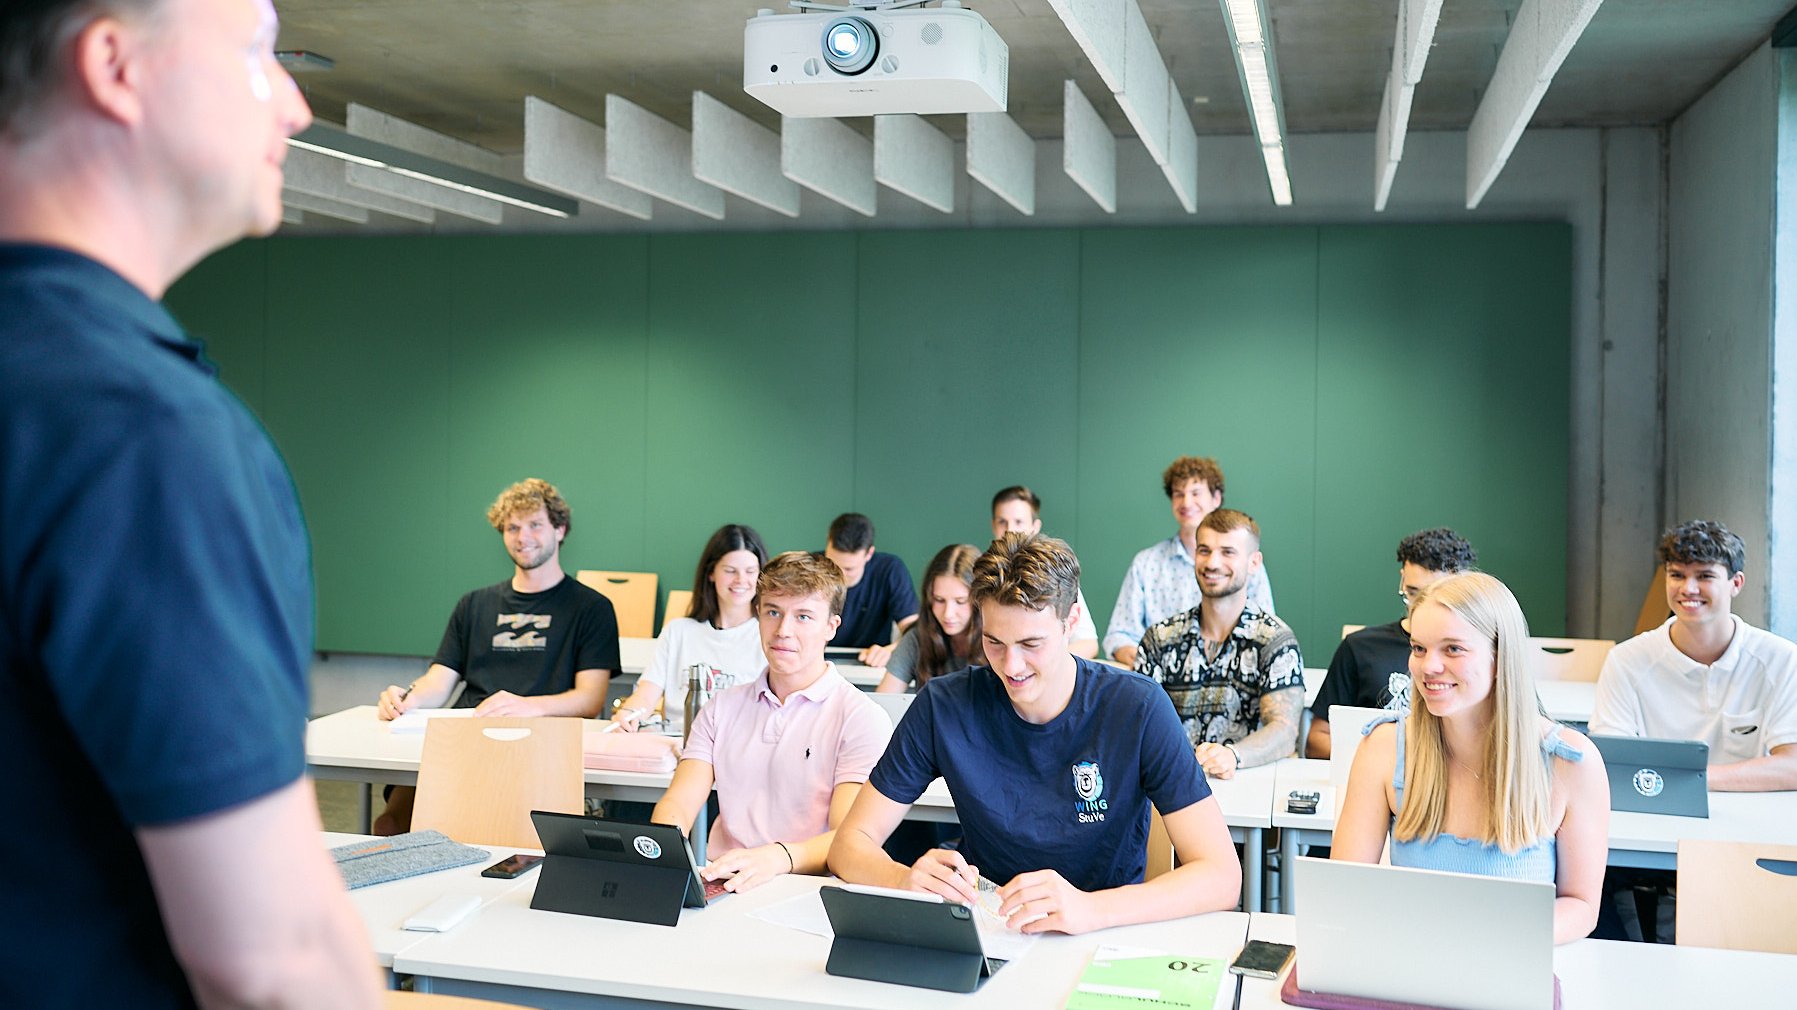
[1052, 761]
[155, 586]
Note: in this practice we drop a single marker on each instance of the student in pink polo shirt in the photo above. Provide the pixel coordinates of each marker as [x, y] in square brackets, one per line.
[787, 753]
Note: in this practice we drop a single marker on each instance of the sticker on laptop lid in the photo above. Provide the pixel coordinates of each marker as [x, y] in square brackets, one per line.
[647, 847]
[1648, 782]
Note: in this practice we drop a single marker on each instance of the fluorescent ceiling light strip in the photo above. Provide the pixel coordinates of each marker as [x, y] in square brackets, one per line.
[1251, 39]
[1410, 52]
[374, 154]
[1543, 32]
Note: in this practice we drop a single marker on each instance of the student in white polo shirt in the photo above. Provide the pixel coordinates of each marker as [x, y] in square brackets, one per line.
[1706, 674]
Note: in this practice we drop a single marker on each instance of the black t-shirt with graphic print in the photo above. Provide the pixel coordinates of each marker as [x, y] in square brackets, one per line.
[1371, 669]
[530, 644]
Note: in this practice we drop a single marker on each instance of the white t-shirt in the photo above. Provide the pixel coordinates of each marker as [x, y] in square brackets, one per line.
[1743, 705]
[1084, 627]
[685, 642]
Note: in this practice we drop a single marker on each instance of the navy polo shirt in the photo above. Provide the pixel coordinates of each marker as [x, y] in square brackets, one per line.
[155, 622]
[882, 598]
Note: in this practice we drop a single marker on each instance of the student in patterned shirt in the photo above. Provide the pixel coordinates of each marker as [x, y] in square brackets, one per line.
[1159, 582]
[1232, 669]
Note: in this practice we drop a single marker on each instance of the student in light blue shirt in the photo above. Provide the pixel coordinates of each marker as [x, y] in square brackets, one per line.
[1476, 779]
[1159, 582]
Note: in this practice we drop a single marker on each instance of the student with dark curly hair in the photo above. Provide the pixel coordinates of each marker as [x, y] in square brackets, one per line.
[1706, 674]
[1371, 667]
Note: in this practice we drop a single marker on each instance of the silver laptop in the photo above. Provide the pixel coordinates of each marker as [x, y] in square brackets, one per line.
[1651, 776]
[894, 705]
[1421, 936]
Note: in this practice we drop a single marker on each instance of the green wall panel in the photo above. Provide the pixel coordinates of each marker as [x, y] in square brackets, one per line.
[751, 391]
[546, 369]
[1444, 364]
[358, 402]
[1198, 341]
[1356, 383]
[967, 382]
[222, 303]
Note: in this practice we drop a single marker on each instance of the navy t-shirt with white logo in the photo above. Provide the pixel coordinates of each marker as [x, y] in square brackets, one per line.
[1071, 795]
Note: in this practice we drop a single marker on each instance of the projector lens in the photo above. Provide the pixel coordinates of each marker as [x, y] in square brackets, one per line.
[850, 45]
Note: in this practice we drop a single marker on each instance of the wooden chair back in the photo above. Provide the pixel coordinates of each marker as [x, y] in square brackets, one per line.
[400, 999]
[1580, 659]
[632, 595]
[1349, 629]
[679, 602]
[1160, 846]
[1654, 610]
[480, 778]
[1737, 896]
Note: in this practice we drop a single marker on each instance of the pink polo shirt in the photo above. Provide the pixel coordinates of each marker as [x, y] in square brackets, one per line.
[776, 765]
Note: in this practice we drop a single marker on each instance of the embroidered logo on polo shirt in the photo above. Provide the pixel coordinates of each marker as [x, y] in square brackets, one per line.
[1648, 782]
[1088, 785]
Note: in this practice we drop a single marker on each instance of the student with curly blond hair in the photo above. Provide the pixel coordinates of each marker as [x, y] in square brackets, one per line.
[537, 644]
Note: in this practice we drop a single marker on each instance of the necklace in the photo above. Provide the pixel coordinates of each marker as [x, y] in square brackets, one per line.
[1469, 769]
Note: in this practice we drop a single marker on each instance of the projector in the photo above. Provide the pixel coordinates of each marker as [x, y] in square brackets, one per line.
[875, 60]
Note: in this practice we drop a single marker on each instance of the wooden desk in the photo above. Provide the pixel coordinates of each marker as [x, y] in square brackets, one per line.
[722, 957]
[1611, 975]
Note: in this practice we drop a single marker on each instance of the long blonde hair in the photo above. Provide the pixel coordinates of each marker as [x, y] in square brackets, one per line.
[1518, 783]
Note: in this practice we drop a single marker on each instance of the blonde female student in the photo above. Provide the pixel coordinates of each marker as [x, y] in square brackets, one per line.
[1477, 779]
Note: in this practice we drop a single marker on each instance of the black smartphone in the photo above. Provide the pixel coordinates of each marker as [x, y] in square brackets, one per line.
[511, 866]
[1260, 959]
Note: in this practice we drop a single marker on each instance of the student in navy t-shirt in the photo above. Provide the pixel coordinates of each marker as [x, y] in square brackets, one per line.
[880, 591]
[1052, 762]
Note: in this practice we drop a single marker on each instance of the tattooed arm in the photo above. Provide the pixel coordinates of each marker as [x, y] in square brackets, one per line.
[1277, 736]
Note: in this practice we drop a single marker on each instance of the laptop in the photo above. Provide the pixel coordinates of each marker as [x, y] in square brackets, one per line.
[894, 705]
[1651, 776]
[617, 869]
[1437, 939]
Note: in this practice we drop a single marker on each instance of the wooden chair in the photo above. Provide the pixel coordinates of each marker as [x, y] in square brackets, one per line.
[1349, 629]
[1654, 610]
[480, 778]
[679, 602]
[632, 595]
[1580, 659]
[1737, 896]
[1160, 846]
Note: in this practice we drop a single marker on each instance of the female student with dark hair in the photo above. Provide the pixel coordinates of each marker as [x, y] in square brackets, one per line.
[719, 630]
[946, 636]
[1477, 779]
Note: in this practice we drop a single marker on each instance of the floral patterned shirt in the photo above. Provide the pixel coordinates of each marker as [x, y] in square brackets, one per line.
[1218, 694]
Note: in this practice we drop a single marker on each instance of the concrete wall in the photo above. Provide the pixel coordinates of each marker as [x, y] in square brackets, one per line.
[1782, 538]
[1721, 185]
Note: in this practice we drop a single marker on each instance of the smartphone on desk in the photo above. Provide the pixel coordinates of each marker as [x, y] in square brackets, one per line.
[512, 866]
[1261, 959]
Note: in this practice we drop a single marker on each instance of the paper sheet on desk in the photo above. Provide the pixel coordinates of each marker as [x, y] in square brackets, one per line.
[806, 914]
[418, 718]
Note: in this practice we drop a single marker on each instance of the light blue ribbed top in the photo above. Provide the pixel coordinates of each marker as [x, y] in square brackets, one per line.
[1470, 855]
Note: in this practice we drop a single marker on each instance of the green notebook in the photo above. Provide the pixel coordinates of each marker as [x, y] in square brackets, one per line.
[1119, 977]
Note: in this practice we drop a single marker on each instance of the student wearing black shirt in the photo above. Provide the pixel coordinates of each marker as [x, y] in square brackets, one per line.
[1371, 667]
[538, 644]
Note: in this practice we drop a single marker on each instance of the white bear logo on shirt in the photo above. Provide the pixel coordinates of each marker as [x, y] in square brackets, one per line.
[1088, 784]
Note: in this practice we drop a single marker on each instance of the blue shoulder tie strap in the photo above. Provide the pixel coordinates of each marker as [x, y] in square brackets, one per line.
[1555, 745]
[1397, 771]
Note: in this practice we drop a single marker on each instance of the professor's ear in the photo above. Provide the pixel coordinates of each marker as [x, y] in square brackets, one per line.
[109, 68]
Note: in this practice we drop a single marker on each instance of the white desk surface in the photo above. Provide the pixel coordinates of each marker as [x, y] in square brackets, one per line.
[721, 957]
[635, 654]
[355, 745]
[1611, 975]
[1734, 817]
[385, 907]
